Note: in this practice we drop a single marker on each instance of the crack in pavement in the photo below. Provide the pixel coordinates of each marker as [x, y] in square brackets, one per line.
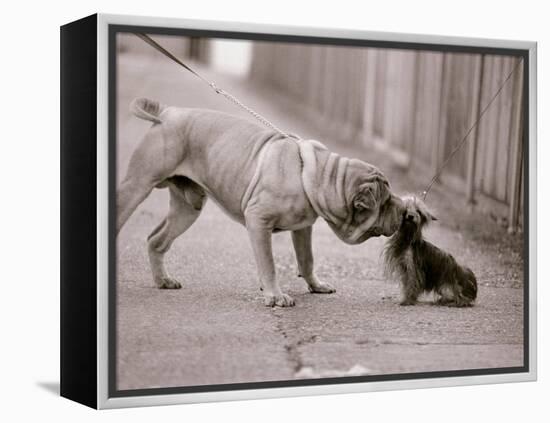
[292, 347]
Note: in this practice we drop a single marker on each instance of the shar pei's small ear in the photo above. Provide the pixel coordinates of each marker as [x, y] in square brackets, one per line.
[371, 194]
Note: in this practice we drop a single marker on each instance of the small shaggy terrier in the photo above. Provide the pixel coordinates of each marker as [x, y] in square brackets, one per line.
[423, 267]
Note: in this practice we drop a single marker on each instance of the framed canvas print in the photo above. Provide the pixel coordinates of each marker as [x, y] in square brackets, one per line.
[256, 211]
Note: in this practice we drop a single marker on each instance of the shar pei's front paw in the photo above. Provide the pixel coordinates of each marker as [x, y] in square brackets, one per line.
[280, 300]
[321, 288]
[167, 283]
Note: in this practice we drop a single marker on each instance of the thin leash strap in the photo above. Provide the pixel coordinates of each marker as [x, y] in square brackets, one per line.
[218, 90]
[465, 138]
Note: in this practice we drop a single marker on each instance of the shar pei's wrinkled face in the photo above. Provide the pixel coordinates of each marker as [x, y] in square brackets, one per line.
[372, 209]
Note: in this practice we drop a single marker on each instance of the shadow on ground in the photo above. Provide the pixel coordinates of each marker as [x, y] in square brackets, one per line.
[51, 387]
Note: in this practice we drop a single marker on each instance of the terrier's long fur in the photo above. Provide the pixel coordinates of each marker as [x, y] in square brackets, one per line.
[423, 267]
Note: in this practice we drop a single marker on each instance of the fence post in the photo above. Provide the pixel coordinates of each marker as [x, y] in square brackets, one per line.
[437, 151]
[472, 148]
[517, 151]
[370, 96]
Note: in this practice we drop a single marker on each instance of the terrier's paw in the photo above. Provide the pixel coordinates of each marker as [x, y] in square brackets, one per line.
[321, 288]
[443, 301]
[454, 303]
[281, 300]
[407, 302]
[167, 283]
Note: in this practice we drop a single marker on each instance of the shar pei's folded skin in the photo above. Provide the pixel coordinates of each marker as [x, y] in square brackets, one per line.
[263, 180]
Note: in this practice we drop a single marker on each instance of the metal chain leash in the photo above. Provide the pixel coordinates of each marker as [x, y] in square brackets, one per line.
[212, 85]
[258, 116]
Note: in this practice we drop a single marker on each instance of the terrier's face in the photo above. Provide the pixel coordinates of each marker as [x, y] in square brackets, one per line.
[415, 216]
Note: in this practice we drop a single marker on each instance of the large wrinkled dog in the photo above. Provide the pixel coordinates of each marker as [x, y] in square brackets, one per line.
[264, 180]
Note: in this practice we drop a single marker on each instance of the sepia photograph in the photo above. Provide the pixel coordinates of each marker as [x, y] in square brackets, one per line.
[290, 211]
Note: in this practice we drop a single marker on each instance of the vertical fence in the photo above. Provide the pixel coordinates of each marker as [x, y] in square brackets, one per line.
[417, 105]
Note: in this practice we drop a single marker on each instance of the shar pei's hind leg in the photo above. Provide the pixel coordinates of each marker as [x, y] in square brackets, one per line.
[186, 202]
[304, 255]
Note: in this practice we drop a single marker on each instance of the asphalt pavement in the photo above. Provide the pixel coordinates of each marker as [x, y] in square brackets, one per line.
[216, 330]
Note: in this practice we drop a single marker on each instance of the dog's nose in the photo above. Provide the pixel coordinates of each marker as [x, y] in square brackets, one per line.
[409, 216]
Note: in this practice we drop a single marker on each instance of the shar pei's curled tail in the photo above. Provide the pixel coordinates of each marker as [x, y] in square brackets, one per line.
[147, 109]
